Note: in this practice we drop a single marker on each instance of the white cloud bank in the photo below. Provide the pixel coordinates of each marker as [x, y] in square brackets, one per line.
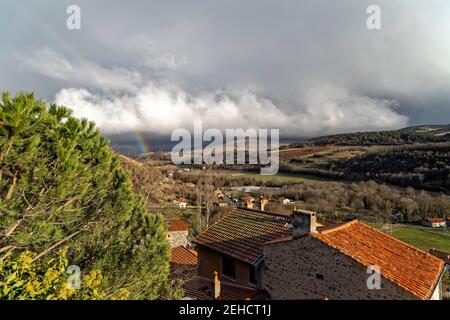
[122, 100]
[161, 109]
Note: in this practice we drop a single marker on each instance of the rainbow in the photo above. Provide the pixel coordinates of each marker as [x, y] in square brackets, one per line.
[139, 136]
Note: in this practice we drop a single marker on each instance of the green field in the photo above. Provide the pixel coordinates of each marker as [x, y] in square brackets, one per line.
[420, 238]
[280, 177]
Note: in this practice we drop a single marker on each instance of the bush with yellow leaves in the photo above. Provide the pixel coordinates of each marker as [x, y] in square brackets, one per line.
[21, 278]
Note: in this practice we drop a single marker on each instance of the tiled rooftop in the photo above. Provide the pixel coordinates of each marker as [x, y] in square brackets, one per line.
[183, 256]
[177, 225]
[436, 220]
[200, 288]
[242, 232]
[412, 269]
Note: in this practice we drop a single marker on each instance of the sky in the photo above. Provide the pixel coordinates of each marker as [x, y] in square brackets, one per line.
[306, 67]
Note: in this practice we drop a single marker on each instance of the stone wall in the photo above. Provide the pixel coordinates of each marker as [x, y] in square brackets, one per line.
[306, 268]
[178, 238]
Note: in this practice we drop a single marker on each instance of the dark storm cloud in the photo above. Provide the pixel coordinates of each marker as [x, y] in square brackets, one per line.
[306, 67]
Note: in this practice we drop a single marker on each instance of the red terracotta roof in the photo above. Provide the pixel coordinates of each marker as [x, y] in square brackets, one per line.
[412, 269]
[435, 220]
[242, 232]
[194, 252]
[177, 225]
[281, 239]
[183, 256]
[324, 225]
[200, 288]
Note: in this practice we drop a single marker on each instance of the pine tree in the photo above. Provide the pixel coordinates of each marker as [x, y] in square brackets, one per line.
[61, 185]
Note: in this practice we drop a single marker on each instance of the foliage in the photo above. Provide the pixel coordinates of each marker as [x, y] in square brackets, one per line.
[396, 137]
[423, 166]
[370, 200]
[446, 285]
[21, 279]
[60, 184]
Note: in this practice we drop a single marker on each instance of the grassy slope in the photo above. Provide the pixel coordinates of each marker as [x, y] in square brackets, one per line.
[423, 239]
[420, 237]
[280, 177]
[148, 181]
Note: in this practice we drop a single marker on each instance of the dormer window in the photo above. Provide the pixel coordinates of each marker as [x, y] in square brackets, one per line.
[229, 267]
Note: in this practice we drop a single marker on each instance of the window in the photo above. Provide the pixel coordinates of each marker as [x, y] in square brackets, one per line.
[229, 267]
[319, 276]
[253, 275]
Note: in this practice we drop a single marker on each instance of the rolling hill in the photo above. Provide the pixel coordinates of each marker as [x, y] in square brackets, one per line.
[410, 135]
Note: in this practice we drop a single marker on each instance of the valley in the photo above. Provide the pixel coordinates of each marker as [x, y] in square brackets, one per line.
[377, 183]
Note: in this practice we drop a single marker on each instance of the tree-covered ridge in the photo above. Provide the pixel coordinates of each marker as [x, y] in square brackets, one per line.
[425, 134]
[61, 185]
[420, 166]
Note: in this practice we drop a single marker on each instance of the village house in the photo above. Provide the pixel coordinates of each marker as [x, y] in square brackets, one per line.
[444, 256]
[334, 263]
[254, 254]
[177, 232]
[435, 222]
[222, 204]
[263, 202]
[181, 203]
[219, 199]
[183, 263]
[249, 202]
[218, 194]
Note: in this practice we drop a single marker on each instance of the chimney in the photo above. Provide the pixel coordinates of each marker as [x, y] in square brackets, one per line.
[216, 286]
[303, 222]
[263, 202]
[249, 202]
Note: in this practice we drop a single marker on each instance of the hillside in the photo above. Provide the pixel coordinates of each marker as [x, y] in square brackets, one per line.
[410, 135]
[415, 156]
[148, 180]
[420, 166]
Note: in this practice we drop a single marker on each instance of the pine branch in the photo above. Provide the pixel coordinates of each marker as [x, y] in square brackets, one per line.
[11, 187]
[40, 255]
[4, 155]
[7, 248]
